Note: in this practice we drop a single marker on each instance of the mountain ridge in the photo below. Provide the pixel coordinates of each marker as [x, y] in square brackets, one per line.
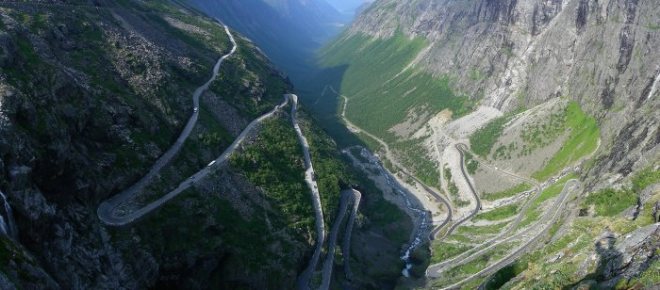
[542, 89]
[92, 95]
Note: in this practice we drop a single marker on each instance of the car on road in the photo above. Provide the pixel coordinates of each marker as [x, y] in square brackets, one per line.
[212, 162]
[195, 110]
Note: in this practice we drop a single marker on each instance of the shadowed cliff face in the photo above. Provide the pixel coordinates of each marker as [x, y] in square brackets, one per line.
[89, 99]
[92, 93]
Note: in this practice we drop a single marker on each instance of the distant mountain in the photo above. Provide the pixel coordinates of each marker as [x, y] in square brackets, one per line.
[287, 30]
[349, 6]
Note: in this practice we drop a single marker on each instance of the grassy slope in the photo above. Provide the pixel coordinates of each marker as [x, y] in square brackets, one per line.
[533, 212]
[582, 141]
[375, 79]
[507, 192]
[610, 202]
[443, 251]
[577, 242]
[583, 134]
[370, 72]
[483, 140]
[273, 163]
[498, 213]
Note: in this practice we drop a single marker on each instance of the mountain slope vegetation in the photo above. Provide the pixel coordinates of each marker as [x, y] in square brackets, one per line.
[92, 93]
[554, 102]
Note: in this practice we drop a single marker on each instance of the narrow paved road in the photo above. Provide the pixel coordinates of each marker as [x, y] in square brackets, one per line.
[310, 179]
[347, 196]
[467, 255]
[435, 270]
[388, 154]
[346, 242]
[439, 198]
[551, 218]
[479, 249]
[503, 236]
[106, 211]
[461, 150]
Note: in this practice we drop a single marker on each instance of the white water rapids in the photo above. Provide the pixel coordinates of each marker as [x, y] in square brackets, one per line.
[7, 226]
[423, 214]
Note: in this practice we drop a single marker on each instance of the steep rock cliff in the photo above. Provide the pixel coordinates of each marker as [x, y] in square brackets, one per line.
[91, 94]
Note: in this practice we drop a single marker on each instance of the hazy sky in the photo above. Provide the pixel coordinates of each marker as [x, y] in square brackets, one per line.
[346, 5]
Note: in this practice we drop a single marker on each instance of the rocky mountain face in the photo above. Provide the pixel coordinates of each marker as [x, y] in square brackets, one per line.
[425, 75]
[90, 99]
[91, 94]
[511, 54]
[518, 54]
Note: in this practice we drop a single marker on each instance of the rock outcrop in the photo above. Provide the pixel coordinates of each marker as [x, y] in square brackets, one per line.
[521, 53]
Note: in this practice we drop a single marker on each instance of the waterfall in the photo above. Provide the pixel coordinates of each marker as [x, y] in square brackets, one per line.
[7, 226]
[3, 226]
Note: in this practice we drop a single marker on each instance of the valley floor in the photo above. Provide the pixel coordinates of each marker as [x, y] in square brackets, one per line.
[512, 200]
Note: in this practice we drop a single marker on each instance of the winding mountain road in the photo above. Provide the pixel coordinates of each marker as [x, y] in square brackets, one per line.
[310, 179]
[461, 150]
[347, 196]
[346, 242]
[107, 209]
[550, 218]
[388, 154]
[435, 270]
[433, 234]
[479, 249]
